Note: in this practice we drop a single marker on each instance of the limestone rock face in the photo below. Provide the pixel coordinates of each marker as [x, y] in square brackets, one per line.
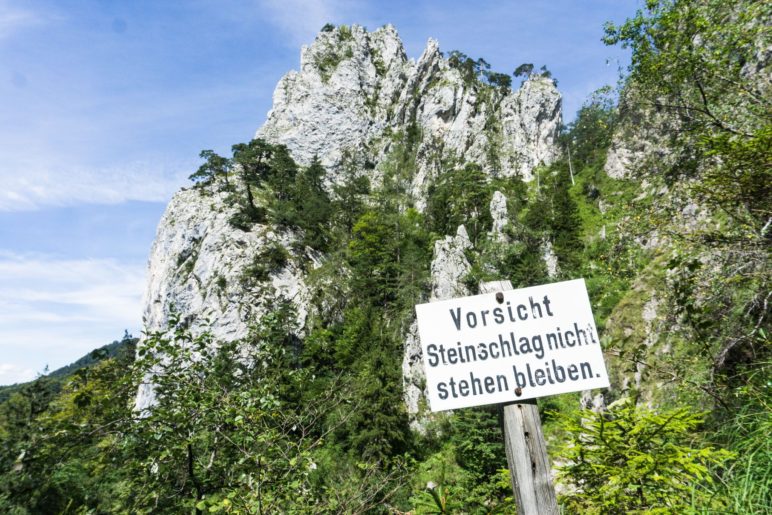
[355, 101]
[198, 269]
[448, 269]
[357, 92]
[499, 215]
[340, 97]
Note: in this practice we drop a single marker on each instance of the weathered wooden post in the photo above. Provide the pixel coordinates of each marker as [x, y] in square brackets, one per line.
[527, 457]
[509, 347]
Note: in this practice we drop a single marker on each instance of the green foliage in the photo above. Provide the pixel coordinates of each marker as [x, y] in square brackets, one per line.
[460, 197]
[723, 109]
[631, 459]
[441, 483]
[478, 442]
[311, 206]
[524, 69]
[312, 420]
[225, 429]
[349, 202]
[215, 168]
[589, 135]
[57, 446]
[335, 52]
[744, 428]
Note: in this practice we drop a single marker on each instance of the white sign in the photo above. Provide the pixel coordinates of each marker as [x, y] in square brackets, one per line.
[538, 341]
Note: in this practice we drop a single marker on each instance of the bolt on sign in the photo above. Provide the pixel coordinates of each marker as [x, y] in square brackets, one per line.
[510, 345]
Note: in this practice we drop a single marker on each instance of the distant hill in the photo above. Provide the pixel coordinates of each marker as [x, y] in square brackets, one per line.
[123, 348]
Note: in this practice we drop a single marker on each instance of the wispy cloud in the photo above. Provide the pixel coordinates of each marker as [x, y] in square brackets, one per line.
[11, 373]
[40, 186]
[54, 310]
[301, 20]
[14, 18]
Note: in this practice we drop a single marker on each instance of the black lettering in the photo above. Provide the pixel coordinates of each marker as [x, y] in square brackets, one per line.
[489, 385]
[547, 305]
[507, 344]
[482, 315]
[476, 384]
[534, 307]
[519, 377]
[452, 359]
[463, 388]
[530, 377]
[511, 315]
[586, 370]
[442, 353]
[490, 349]
[525, 345]
[443, 391]
[498, 315]
[552, 341]
[502, 383]
[559, 372]
[467, 350]
[579, 333]
[456, 318]
[431, 352]
[538, 346]
[471, 319]
[482, 351]
[539, 376]
[571, 342]
[547, 369]
[522, 312]
[592, 333]
[573, 372]
[452, 384]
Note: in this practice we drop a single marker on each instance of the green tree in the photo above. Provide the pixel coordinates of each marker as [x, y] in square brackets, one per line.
[632, 459]
[215, 168]
[524, 70]
[312, 206]
[460, 197]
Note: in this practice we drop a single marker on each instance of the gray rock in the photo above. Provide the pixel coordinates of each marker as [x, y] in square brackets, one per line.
[354, 88]
[354, 91]
[448, 269]
[498, 208]
[196, 269]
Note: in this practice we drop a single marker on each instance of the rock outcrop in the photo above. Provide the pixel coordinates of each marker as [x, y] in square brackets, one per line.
[199, 270]
[449, 268]
[355, 101]
[357, 91]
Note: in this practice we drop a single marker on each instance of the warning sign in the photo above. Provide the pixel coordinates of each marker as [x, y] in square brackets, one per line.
[487, 348]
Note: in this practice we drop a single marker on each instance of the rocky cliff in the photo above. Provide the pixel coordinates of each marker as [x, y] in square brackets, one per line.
[355, 97]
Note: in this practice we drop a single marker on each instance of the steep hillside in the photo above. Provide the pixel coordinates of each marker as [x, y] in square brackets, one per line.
[281, 371]
[365, 111]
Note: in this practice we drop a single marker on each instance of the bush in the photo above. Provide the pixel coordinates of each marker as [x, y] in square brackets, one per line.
[632, 459]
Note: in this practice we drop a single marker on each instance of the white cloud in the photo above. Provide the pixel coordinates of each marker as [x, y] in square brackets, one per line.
[299, 18]
[14, 18]
[52, 311]
[302, 19]
[38, 186]
[10, 374]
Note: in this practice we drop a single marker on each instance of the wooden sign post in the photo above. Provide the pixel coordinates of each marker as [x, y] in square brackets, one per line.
[529, 466]
[509, 347]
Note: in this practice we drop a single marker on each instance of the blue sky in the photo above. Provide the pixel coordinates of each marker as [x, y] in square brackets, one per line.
[106, 105]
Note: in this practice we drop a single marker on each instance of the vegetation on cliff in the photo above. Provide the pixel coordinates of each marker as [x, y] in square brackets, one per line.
[675, 252]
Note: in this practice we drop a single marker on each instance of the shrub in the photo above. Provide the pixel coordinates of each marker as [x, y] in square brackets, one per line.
[632, 459]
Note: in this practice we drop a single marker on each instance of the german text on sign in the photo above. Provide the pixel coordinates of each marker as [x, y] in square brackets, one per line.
[539, 341]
